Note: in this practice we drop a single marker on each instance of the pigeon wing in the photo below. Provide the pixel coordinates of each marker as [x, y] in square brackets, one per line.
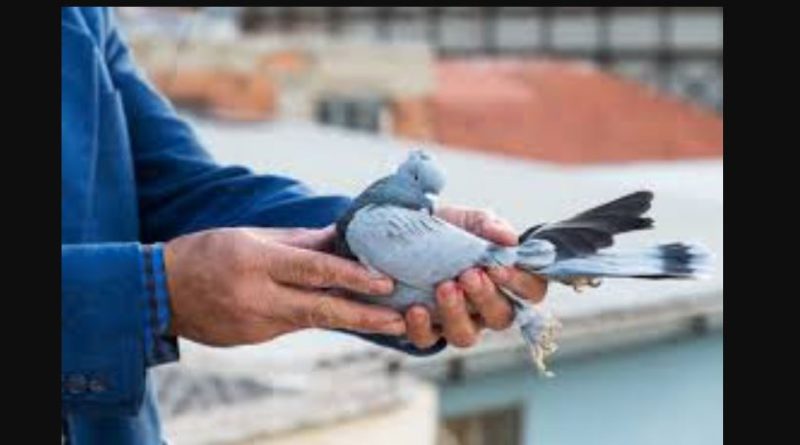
[592, 230]
[412, 246]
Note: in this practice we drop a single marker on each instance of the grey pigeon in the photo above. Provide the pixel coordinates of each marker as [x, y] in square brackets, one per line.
[391, 228]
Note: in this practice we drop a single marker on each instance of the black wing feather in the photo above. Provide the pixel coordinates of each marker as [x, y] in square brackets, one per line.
[594, 229]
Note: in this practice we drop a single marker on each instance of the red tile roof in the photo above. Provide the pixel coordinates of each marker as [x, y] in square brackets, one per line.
[565, 112]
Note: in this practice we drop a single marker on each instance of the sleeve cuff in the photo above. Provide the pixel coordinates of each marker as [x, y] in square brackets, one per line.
[159, 346]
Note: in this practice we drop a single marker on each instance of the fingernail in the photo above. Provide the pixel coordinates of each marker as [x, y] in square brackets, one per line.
[448, 294]
[381, 286]
[418, 314]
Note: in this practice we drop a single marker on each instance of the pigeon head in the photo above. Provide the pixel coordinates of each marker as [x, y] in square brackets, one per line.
[421, 170]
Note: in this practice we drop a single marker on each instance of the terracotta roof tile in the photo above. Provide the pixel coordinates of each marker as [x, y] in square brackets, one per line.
[565, 112]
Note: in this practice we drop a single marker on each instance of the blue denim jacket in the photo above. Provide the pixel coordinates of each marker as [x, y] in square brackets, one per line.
[133, 175]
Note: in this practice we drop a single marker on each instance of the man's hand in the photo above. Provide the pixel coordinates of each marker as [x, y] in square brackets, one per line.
[238, 286]
[474, 301]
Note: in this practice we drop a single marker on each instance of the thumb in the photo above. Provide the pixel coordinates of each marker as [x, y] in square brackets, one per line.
[497, 230]
[320, 240]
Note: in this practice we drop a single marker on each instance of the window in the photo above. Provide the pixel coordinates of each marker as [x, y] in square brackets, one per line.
[499, 426]
[356, 113]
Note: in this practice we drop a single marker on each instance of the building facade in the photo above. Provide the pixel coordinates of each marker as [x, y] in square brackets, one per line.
[678, 49]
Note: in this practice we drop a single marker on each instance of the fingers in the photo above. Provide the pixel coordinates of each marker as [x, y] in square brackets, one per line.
[527, 286]
[420, 328]
[320, 240]
[495, 229]
[313, 239]
[459, 328]
[493, 307]
[314, 309]
[306, 268]
[480, 222]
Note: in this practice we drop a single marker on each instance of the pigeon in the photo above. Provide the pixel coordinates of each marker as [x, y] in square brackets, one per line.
[392, 228]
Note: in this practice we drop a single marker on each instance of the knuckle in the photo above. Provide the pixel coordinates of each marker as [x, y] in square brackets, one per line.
[329, 273]
[366, 321]
[303, 272]
[480, 221]
[318, 273]
[310, 277]
[321, 314]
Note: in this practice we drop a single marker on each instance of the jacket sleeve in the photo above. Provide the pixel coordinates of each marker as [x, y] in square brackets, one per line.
[102, 307]
[179, 186]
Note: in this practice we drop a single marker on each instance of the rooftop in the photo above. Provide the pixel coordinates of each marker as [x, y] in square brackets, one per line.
[313, 377]
[566, 111]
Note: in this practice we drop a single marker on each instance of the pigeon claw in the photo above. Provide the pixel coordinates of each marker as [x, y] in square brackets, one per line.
[581, 283]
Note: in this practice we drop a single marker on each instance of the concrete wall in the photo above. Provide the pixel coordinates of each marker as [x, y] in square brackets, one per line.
[414, 423]
[668, 393]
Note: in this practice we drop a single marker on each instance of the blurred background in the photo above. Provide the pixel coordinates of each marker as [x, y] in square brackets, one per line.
[535, 112]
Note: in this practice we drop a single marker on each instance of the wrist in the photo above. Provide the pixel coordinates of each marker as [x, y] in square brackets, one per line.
[168, 255]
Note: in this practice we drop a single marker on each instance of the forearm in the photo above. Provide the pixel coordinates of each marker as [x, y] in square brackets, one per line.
[233, 197]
